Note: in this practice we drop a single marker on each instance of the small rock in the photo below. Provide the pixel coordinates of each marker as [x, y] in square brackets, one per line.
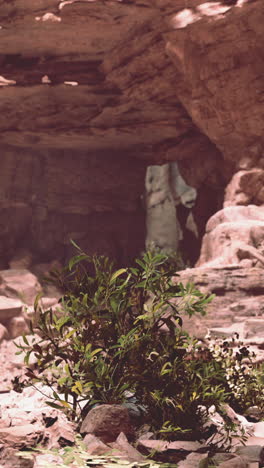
[51, 291]
[28, 419]
[130, 453]
[236, 462]
[254, 453]
[48, 302]
[135, 412]
[213, 8]
[49, 17]
[253, 440]
[240, 3]
[47, 459]
[17, 326]
[15, 417]
[20, 284]
[9, 308]
[246, 263]
[230, 412]
[5, 82]
[253, 327]
[107, 421]
[258, 429]
[94, 445]
[29, 314]
[228, 332]
[188, 446]
[183, 18]
[221, 457]
[60, 435]
[146, 436]
[194, 460]
[9, 458]
[254, 413]
[153, 444]
[45, 79]
[71, 83]
[163, 446]
[3, 333]
[45, 303]
[27, 435]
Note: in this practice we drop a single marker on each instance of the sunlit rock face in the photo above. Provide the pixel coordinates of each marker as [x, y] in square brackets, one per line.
[234, 236]
[93, 92]
[217, 48]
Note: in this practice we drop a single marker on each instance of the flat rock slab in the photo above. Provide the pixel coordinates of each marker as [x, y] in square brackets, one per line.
[9, 308]
[236, 462]
[163, 446]
[194, 460]
[47, 459]
[21, 436]
[254, 453]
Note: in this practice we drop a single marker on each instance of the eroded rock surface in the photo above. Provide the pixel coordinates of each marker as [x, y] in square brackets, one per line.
[234, 235]
[84, 113]
[217, 50]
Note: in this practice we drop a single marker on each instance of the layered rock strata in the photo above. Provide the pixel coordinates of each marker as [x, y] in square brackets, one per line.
[231, 266]
[217, 49]
[89, 97]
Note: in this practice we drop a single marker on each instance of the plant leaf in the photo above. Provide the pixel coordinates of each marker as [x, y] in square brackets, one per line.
[117, 274]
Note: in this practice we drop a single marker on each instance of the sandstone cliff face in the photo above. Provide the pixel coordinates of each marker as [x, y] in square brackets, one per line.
[218, 52]
[94, 91]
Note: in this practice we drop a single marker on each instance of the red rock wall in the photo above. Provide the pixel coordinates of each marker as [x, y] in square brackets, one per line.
[145, 86]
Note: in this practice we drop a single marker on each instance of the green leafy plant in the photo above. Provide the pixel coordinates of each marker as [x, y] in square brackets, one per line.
[119, 331]
[118, 335]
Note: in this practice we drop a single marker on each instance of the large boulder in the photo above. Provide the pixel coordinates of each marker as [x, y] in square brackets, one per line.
[234, 236]
[107, 421]
[246, 188]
